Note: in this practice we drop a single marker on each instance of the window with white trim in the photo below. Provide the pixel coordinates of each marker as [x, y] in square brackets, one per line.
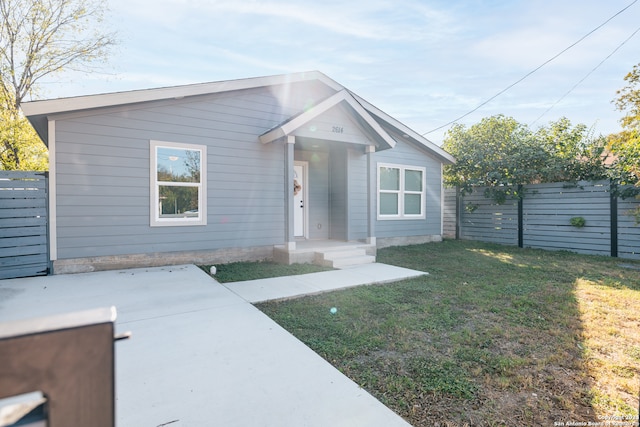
[178, 184]
[401, 191]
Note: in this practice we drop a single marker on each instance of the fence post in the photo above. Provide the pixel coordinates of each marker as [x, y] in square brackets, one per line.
[613, 194]
[45, 174]
[520, 218]
[458, 211]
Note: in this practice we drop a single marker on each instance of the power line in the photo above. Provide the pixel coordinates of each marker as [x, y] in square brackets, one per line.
[586, 76]
[532, 71]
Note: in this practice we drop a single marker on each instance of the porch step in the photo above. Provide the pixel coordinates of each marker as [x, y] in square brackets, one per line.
[343, 258]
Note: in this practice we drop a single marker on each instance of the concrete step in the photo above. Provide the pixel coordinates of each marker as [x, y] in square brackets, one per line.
[343, 253]
[342, 258]
[353, 261]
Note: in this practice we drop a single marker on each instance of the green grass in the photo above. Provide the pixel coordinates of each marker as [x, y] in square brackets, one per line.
[494, 335]
[239, 271]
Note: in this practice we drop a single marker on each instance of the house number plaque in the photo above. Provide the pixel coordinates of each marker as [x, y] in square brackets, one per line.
[337, 129]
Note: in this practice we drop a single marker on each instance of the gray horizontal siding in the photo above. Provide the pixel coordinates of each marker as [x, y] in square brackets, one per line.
[338, 187]
[115, 224]
[406, 154]
[358, 190]
[102, 180]
[336, 124]
[166, 242]
[266, 199]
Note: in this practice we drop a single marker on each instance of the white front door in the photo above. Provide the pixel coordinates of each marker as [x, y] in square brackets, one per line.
[299, 199]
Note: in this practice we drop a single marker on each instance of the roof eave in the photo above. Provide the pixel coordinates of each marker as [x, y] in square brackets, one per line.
[441, 154]
[61, 105]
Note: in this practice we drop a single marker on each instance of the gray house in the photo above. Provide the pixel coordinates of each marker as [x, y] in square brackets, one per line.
[292, 167]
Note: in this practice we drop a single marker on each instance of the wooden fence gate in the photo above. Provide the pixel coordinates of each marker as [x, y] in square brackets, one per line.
[24, 246]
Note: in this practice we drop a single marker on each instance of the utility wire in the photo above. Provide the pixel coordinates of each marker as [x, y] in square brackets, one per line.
[532, 71]
[586, 76]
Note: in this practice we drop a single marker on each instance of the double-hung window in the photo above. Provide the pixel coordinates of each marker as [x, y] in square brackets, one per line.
[401, 192]
[178, 184]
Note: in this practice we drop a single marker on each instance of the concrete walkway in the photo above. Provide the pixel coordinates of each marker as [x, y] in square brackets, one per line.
[286, 287]
[202, 355]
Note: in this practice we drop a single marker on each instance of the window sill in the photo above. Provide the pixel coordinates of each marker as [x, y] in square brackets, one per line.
[177, 223]
[400, 218]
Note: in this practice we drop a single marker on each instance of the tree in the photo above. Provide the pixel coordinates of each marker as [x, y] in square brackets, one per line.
[626, 144]
[502, 155]
[39, 38]
[20, 147]
[498, 153]
[574, 154]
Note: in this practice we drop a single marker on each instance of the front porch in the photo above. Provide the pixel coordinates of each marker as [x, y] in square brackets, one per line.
[330, 182]
[328, 253]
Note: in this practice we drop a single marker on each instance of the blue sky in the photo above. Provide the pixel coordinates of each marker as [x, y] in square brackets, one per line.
[424, 62]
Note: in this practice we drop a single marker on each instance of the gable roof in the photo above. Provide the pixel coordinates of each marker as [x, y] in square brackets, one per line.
[38, 112]
[342, 96]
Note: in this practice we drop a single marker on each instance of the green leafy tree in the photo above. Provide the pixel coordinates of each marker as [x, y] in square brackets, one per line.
[39, 38]
[20, 147]
[626, 144]
[502, 155]
[498, 153]
[574, 154]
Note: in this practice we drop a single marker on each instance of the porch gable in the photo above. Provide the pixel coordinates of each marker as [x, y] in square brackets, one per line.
[337, 118]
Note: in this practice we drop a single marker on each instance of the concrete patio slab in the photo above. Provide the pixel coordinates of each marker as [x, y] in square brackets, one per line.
[256, 291]
[200, 355]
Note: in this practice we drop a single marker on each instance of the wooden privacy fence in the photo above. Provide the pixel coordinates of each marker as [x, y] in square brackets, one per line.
[543, 219]
[23, 224]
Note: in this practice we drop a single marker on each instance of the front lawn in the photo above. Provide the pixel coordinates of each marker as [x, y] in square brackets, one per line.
[244, 270]
[494, 335]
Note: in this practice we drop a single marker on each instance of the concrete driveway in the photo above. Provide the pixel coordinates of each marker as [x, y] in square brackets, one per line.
[200, 355]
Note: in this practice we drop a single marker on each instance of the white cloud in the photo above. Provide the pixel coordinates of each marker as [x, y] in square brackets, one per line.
[386, 20]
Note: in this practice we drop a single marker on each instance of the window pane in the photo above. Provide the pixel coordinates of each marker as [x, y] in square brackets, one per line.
[412, 180]
[388, 204]
[389, 179]
[412, 204]
[178, 202]
[178, 165]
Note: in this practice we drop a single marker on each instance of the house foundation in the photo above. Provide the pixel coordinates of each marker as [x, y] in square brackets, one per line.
[118, 262]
